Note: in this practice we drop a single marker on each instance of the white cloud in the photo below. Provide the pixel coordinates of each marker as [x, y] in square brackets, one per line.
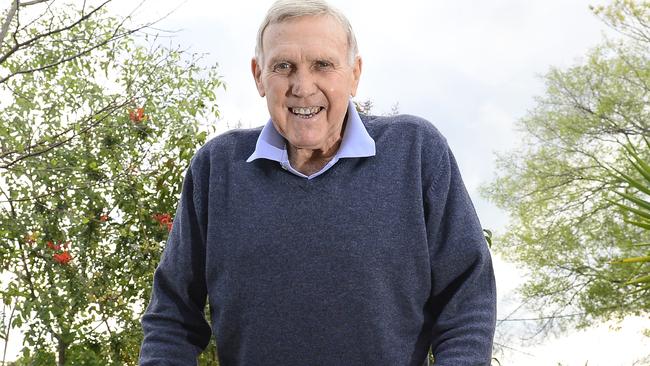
[602, 345]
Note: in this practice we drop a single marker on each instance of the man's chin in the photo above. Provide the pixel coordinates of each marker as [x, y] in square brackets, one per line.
[304, 145]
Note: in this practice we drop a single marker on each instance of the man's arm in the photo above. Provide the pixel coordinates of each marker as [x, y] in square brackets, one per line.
[175, 329]
[463, 287]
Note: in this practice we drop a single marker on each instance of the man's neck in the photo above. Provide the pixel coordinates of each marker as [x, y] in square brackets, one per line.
[308, 161]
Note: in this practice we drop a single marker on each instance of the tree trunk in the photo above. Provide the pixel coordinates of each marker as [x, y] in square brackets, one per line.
[62, 348]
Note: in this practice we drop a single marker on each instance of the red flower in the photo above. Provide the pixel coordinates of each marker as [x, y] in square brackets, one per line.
[62, 258]
[53, 246]
[137, 115]
[103, 218]
[164, 220]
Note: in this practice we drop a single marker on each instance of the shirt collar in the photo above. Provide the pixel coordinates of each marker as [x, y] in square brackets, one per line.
[356, 142]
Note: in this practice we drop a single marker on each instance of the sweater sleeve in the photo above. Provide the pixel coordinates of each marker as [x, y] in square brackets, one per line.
[463, 290]
[174, 324]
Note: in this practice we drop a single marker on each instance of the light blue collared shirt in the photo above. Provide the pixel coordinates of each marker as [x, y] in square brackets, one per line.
[356, 143]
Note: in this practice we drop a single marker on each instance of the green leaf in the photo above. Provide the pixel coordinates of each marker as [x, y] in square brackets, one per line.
[644, 279]
[638, 163]
[488, 237]
[640, 202]
[643, 214]
[633, 260]
[641, 224]
[633, 182]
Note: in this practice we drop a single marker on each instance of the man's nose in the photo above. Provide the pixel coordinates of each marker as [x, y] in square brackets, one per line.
[303, 83]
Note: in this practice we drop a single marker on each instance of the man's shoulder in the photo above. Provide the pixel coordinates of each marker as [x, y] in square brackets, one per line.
[403, 128]
[408, 141]
[232, 142]
[227, 147]
[400, 123]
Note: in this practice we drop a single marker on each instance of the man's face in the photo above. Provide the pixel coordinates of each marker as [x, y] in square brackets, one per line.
[307, 80]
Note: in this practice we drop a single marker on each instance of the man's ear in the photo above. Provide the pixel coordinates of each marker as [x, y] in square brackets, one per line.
[256, 68]
[356, 74]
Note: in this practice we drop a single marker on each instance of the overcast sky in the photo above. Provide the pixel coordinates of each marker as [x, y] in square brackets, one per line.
[472, 68]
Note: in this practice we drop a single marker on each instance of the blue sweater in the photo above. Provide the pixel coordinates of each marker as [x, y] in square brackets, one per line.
[370, 263]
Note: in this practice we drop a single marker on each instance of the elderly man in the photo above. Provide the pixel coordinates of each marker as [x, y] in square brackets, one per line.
[326, 237]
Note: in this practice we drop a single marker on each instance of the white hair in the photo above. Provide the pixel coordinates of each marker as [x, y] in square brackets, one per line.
[283, 10]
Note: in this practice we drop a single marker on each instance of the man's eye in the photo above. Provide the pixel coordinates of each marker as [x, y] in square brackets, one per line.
[282, 67]
[323, 64]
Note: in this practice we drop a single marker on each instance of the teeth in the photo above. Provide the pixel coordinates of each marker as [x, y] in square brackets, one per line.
[306, 111]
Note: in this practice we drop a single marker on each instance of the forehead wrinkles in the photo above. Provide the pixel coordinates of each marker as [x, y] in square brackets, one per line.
[311, 33]
[299, 55]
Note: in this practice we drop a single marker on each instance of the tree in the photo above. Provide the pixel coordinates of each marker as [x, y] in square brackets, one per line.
[97, 125]
[559, 188]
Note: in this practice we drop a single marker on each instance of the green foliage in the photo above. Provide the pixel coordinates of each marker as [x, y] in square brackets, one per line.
[559, 189]
[638, 204]
[209, 356]
[39, 357]
[96, 131]
[364, 107]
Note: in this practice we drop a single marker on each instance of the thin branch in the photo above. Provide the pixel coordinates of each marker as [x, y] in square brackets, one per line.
[59, 143]
[33, 2]
[28, 42]
[11, 317]
[541, 318]
[28, 275]
[112, 38]
[108, 108]
[35, 19]
[125, 173]
[513, 349]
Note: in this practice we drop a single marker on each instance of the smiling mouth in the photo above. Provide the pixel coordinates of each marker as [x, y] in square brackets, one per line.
[305, 112]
